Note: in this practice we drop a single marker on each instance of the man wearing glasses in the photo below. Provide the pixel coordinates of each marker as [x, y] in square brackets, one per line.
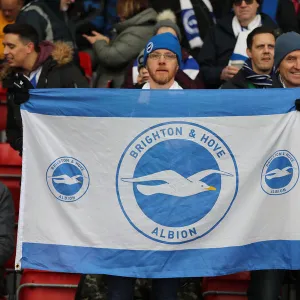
[224, 49]
[162, 58]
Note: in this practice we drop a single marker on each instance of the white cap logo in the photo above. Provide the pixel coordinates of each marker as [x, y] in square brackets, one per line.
[149, 47]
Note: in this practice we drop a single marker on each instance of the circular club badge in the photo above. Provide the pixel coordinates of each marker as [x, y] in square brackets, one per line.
[280, 173]
[67, 179]
[176, 181]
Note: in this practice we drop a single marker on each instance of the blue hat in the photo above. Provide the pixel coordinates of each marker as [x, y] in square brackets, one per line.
[285, 44]
[163, 41]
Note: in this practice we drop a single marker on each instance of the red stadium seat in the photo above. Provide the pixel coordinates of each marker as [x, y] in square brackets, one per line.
[3, 115]
[86, 64]
[9, 158]
[10, 172]
[3, 109]
[230, 287]
[3, 94]
[40, 285]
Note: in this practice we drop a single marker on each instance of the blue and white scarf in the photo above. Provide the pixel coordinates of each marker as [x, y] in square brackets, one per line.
[190, 23]
[239, 54]
[263, 80]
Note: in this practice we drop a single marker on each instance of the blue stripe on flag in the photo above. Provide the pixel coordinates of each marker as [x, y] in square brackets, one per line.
[160, 264]
[160, 104]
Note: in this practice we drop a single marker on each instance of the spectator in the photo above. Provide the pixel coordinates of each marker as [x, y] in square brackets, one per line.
[281, 11]
[93, 15]
[224, 49]
[287, 60]
[194, 19]
[135, 28]
[266, 284]
[7, 223]
[33, 65]
[188, 75]
[49, 19]
[9, 11]
[162, 59]
[258, 70]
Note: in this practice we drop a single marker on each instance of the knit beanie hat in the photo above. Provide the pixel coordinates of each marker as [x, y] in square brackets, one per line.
[285, 44]
[167, 18]
[163, 41]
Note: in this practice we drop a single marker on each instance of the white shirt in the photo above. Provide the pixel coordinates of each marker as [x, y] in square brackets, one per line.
[174, 86]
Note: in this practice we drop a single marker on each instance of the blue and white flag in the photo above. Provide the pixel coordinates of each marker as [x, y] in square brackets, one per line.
[160, 183]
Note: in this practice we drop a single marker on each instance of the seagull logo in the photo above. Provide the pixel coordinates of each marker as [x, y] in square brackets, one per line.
[175, 184]
[277, 173]
[65, 179]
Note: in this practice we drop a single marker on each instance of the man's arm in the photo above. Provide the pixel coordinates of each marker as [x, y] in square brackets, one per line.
[7, 216]
[14, 132]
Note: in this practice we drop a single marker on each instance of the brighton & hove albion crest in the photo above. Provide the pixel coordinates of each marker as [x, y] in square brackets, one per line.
[280, 173]
[176, 181]
[67, 179]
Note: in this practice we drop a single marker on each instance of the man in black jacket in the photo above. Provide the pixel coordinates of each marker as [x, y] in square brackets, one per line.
[221, 41]
[7, 241]
[258, 71]
[31, 64]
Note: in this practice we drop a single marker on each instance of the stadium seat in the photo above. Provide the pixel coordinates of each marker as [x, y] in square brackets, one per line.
[230, 287]
[3, 115]
[3, 94]
[86, 64]
[9, 158]
[10, 172]
[42, 285]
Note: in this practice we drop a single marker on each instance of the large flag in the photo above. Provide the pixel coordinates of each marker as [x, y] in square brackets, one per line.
[160, 183]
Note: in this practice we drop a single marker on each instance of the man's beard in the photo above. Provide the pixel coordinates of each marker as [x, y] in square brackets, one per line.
[160, 79]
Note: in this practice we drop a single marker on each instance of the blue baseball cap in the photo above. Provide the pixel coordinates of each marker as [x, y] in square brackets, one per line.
[163, 41]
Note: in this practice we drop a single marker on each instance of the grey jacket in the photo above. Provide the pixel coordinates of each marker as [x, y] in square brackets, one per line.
[132, 36]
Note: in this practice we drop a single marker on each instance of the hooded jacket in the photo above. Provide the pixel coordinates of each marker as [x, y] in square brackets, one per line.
[218, 47]
[48, 20]
[58, 71]
[132, 36]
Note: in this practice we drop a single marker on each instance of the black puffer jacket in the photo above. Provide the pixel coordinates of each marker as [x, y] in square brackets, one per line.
[58, 71]
[218, 47]
[48, 20]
